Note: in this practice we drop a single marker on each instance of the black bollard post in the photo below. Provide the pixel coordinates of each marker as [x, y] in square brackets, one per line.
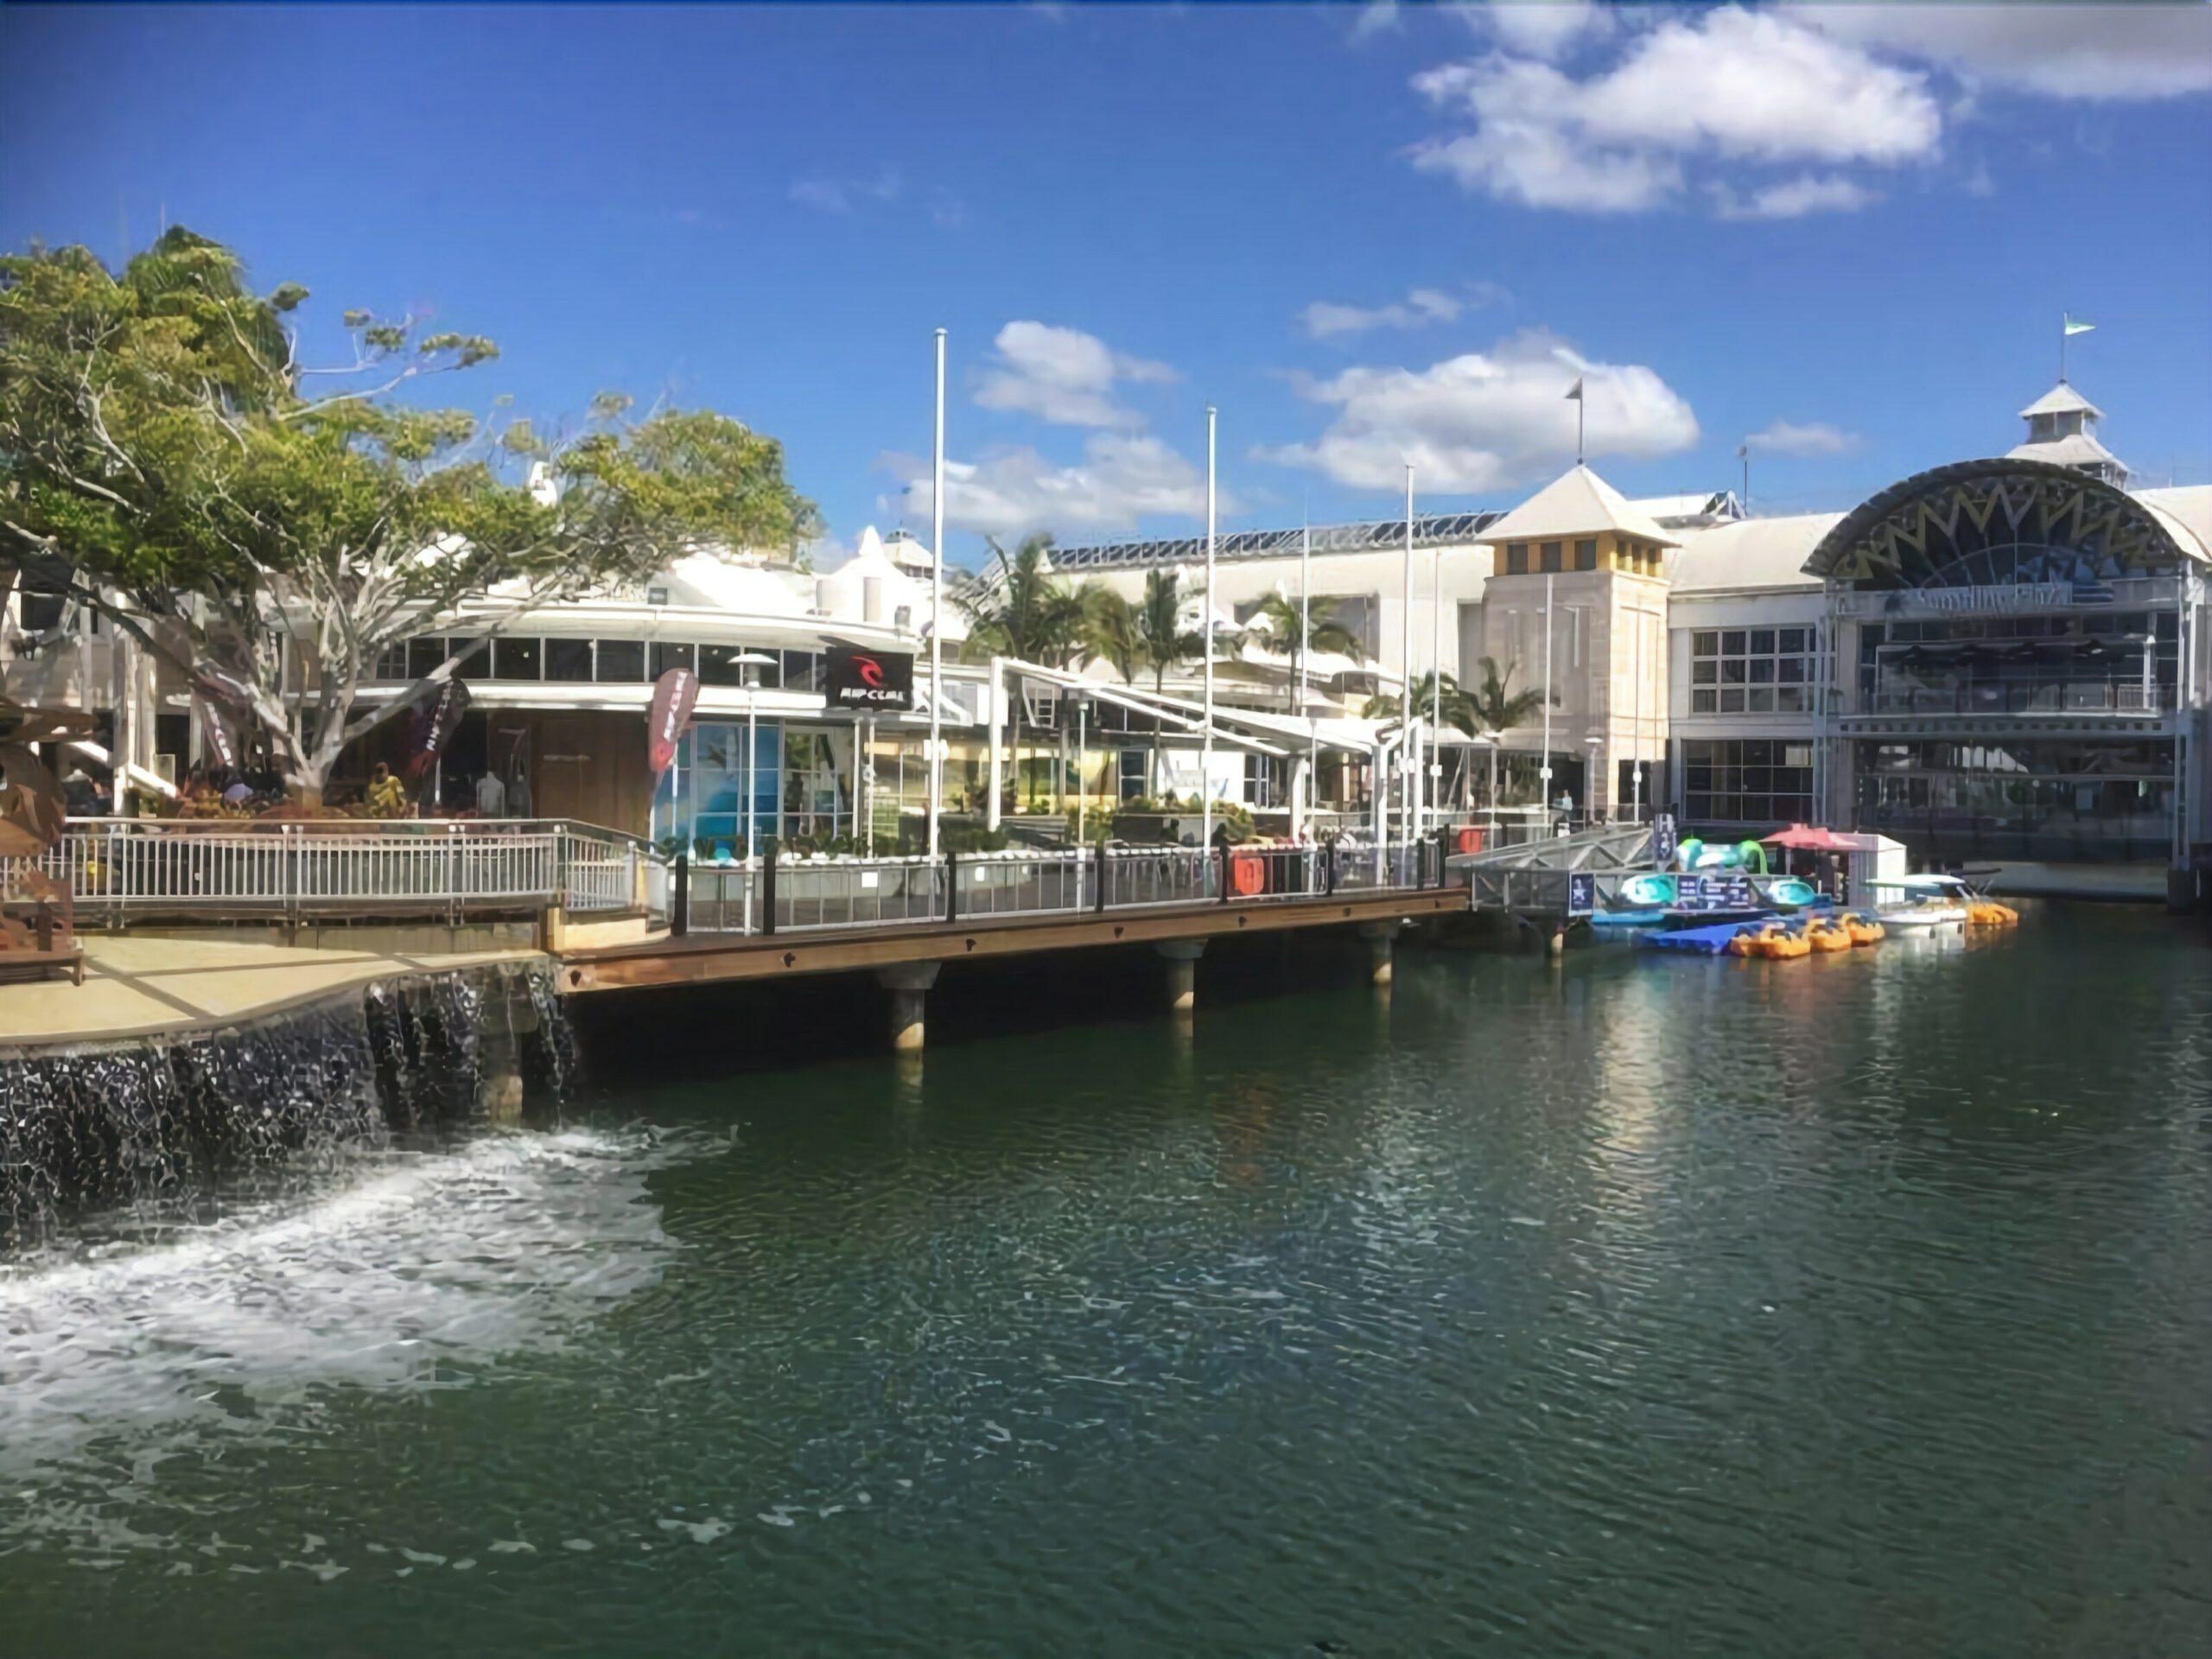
[951, 887]
[768, 888]
[679, 904]
[1098, 853]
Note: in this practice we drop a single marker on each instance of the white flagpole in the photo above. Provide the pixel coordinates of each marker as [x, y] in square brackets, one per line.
[1435, 684]
[1544, 771]
[937, 607]
[1305, 652]
[1410, 756]
[1206, 629]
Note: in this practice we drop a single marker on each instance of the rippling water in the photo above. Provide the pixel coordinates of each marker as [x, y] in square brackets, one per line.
[1857, 1305]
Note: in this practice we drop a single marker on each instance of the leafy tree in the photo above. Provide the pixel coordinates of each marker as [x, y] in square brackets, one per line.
[1163, 641]
[1277, 625]
[163, 459]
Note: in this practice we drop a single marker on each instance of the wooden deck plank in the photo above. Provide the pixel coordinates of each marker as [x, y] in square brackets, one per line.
[703, 958]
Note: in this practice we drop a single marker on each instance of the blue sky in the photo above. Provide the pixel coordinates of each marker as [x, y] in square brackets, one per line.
[1852, 232]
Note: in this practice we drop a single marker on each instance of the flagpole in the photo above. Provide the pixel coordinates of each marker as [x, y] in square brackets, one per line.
[1206, 629]
[1544, 772]
[1435, 774]
[937, 607]
[1305, 652]
[1409, 753]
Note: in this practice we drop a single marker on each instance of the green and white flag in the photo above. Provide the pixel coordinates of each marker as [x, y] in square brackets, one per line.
[2075, 325]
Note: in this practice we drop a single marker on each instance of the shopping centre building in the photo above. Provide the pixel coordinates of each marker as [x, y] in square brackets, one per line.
[2002, 661]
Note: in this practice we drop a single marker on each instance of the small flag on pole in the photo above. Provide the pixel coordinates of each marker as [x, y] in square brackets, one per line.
[2074, 325]
[1574, 397]
[1574, 392]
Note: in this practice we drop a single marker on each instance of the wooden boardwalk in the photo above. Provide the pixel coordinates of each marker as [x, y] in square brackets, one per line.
[701, 958]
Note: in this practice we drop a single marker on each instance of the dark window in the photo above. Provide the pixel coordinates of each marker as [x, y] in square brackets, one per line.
[1732, 643]
[516, 659]
[567, 660]
[1705, 672]
[1762, 671]
[1731, 702]
[1516, 558]
[1734, 669]
[1791, 640]
[1761, 642]
[1701, 702]
[621, 661]
[1705, 643]
[391, 663]
[423, 657]
[802, 671]
[667, 656]
[1551, 552]
[1586, 555]
[41, 611]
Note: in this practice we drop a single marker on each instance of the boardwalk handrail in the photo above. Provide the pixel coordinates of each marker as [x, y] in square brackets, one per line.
[125, 869]
[815, 894]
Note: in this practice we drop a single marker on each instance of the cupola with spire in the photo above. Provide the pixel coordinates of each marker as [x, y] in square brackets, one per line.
[2062, 430]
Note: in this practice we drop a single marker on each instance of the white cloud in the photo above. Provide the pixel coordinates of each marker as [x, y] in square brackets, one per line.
[842, 195]
[1486, 421]
[1542, 29]
[831, 195]
[1325, 318]
[2084, 52]
[1795, 198]
[1120, 480]
[1812, 438]
[1723, 86]
[1376, 17]
[1063, 375]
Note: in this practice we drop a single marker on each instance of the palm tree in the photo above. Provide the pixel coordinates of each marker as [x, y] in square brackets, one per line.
[1440, 691]
[1161, 638]
[1281, 630]
[1110, 632]
[1026, 614]
[1499, 708]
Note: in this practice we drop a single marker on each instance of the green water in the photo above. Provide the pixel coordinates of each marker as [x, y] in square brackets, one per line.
[1859, 1305]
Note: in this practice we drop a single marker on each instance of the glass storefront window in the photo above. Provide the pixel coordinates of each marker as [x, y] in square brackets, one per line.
[567, 660]
[666, 655]
[621, 661]
[516, 659]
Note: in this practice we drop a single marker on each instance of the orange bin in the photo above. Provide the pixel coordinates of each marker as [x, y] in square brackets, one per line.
[1470, 838]
[1248, 873]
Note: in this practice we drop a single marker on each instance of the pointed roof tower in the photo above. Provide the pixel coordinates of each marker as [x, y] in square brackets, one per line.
[1577, 503]
[2062, 430]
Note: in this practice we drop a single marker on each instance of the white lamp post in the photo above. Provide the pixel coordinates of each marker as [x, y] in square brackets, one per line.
[752, 662]
[936, 606]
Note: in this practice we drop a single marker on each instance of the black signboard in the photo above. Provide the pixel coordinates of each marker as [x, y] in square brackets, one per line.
[1582, 894]
[870, 681]
[1664, 841]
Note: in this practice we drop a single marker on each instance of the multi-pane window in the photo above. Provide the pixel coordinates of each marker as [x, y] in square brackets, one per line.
[1516, 558]
[620, 661]
[1752, 670]
[1585, 554]
[1747, 781]
[567, 660]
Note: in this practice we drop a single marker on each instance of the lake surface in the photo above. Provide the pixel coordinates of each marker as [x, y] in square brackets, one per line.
[1630, 1306]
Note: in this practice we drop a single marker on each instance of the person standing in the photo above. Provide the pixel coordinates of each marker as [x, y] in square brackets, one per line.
[491, 796]
[519, 805]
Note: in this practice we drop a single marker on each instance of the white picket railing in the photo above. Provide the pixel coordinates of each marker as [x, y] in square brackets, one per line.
[133, 868]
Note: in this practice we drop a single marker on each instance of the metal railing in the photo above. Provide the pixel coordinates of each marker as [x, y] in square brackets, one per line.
[125, 869]
[769, 895]
[2127, 696]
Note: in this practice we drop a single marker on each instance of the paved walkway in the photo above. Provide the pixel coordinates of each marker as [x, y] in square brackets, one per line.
[139, 987]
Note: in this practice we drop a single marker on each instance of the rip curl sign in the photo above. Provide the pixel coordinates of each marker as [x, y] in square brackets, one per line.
[870, 681]
[675, 694]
